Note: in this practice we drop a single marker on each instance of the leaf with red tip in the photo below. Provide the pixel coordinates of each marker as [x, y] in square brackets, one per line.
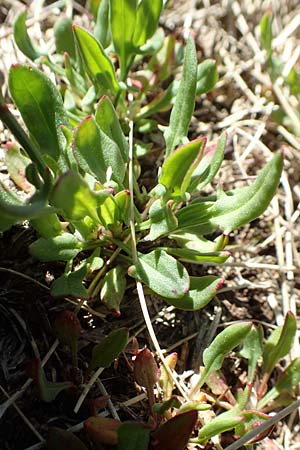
[202, 291]
[162, 273]
[174, 434]
[145, 369]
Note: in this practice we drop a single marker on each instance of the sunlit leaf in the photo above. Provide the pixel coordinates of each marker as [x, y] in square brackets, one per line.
[185, 101]
[202, 291]
[162, 273]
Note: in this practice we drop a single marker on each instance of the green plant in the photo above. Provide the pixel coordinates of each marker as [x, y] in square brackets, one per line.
[284, 79]
[78, 162]
[83, 177]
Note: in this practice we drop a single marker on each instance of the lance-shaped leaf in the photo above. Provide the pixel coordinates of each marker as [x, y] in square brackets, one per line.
[98, 65]
[174, 434]
[72, 195]
[22, 38]
[133, 436]
[252, 350]
[122, 200]
[202, 291]
[122, 23]
[57, 248]
[185, 101]
[236, 208]
[199, 243]
[266, 34]
[48, 391]
[162, 219]
[178, 168]
[207, 76]
[147, 16]
[41, 108]
[109, 348]
[95, 152]
[224, 422]
[279, 343]
[107, 119]
[286, 383]
[113, 289]
[162, 273]
[59, 439]
[209, 165]
[102, 430]
[70, 284]
[102, 26]
[162, 408]
[68, 330]
[64, 38]
[246, 204]
[223, 344]
[194, 257]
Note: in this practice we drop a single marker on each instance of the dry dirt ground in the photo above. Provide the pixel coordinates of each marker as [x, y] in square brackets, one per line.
[262, 277]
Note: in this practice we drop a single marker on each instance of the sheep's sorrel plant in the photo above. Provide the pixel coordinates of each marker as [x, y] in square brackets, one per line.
[77, 163]
[82, 177]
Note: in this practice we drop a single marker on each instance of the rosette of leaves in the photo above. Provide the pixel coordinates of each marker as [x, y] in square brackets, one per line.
[77, 167]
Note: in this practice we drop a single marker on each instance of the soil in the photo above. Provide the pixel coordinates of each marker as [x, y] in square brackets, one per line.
[262, 277]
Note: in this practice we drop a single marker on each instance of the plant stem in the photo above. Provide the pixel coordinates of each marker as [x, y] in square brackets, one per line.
[139, 286]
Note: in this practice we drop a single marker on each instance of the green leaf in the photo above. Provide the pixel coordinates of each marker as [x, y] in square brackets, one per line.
[207, 76]
[279, 343]
[178, 168]
[109, 348]
[64, 38]
[162, 218]
[147, 17]
[174, 434]
[194, 257]
[162, 273]
[94, 6]
[199, 243]
[41, 108]
[209, 165]
[22, 38]
[72, 195]
[202, 291]
[266, 35]
[99, 67]
[48, 391]
[47, 226]
[107, 119]
[224, 422]
[122, 22]
[185, 101]
[287, 382]
[246, 204]
[236, 208]
[71, 284]
[223, 344]
[58, 248]
[102, 26]
[58, 439]
[113, 289]
[252, 350]
[96, 152]
[133, 436]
